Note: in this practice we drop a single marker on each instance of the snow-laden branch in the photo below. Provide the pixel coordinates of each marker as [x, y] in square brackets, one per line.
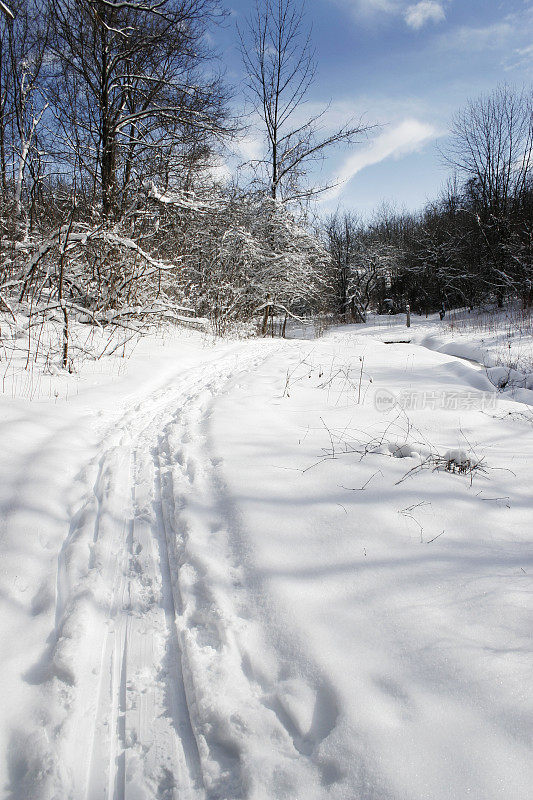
[164, 311]
[274, 304]
[73, 238]
[6, 305]
[48, 244]
[185, 200]
[7, 11]
[130, 244]
[146, 7]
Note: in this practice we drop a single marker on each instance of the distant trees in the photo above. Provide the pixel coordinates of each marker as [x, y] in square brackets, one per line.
[364, 262]
[341, 237]
[474, 244]
[361, 266]
[111, 117]
[492, 148]
[280, 63]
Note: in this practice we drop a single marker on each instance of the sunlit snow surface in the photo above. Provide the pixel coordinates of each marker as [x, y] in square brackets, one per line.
[269, 569]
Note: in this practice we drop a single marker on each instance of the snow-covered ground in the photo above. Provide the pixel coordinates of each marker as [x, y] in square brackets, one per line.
[268, 569]
[500, 340]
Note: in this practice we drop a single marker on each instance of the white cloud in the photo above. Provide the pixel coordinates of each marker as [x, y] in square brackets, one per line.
[404, 138]
[497, 36]
[368, 7]
[250, 146]
[372, 10]
[521, 57]
[417, 15]
[510, 37]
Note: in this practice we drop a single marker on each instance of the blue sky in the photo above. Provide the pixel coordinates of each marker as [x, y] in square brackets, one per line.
[408, 65]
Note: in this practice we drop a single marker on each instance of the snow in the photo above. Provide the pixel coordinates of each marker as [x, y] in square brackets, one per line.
[230, 571]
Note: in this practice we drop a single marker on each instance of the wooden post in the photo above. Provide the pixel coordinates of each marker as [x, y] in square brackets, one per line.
[408, 320]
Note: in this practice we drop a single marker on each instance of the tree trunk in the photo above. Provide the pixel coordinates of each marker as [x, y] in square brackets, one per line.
[264, 326]
[108, 175]
[108, 163]
[274, 169]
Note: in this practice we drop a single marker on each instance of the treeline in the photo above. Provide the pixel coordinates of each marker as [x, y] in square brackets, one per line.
[113, 120]
[473, 245]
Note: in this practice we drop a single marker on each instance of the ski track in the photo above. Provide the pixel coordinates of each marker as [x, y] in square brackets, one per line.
[150, 618]
[143, 743]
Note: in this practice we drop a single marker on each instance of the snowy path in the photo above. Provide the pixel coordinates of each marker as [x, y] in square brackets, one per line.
[119, 604]
[146, 688]
[197, 606]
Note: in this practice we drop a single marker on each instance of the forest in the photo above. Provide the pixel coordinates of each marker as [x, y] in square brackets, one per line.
[114, 115]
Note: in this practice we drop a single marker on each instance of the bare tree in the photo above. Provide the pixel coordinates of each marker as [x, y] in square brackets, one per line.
[280, 62]
[492, 147]
[492, 144]
[6, 10]
[341, 234]
[131, 98]
[23, 48]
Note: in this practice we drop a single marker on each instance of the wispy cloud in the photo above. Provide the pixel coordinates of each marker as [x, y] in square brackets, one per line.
[250, 146]
[419, 14]
[510, 34]
[521, 57]
[368, 8]
[478, 39]
[406, 137]
[416, 15]
[220, 171]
